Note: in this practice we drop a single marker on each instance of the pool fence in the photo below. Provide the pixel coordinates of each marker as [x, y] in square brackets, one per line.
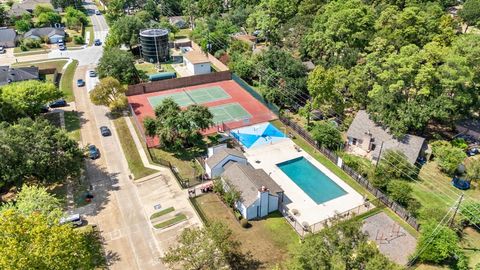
[380, 195]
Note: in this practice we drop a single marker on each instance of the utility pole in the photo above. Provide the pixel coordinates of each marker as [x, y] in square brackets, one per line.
[379, 155]
[456, 210]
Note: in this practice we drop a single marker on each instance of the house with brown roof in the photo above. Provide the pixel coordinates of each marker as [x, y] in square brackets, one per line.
[371, 140]
[259, 194]
[197, 62]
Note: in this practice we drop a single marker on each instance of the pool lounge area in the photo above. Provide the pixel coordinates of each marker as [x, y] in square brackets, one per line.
[258, 135]
[310, 188]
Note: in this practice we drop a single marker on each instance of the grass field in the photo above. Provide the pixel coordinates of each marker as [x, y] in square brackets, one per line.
[66, 82]
[270, 240]
[44, 64]
[178, 218]
[72, 125]
[150, 68]
[130, 150]
[162, 213]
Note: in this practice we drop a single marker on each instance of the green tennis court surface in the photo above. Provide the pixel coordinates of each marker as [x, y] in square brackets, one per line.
[229, 113]
[189, 97]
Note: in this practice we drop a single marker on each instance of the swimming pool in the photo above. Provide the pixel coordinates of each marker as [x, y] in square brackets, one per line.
[319, 187]
[256, 135]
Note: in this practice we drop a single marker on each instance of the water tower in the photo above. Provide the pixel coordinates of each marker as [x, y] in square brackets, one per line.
[154, 44]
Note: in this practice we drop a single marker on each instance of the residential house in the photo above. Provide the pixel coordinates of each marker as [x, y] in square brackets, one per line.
[259, 194]
[10, 75]
[26, 6]
[368, 139]
[197, 62]
[53, 34]
[178, 21]
[8, 37]
[470, 127]
[214, 166]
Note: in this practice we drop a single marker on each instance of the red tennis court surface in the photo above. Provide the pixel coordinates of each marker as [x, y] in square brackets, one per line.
[259, 112]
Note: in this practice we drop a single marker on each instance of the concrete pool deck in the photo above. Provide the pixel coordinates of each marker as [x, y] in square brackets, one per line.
[268, 156]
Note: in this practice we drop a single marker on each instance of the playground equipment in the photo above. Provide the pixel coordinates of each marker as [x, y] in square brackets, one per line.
[460, 183]
[385, 237]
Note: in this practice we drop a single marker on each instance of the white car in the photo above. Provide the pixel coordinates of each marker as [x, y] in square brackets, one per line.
[97, 12]
[2, 50]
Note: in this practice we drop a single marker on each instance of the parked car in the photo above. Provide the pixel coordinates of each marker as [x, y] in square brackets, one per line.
[58, 103]
[2, 50]
[93, 152]
[92, 73]
[75, 220]
[80, 82]
[62, 47]
[473, 151]
[97, 12]
[44, 109]
[97, 42]
[60, 41]
[105, 131]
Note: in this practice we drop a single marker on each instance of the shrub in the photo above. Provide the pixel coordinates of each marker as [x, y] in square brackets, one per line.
[436, 249]
[23, 48]
[31, 43]
[218, 186]
[400, 191]
[244, 223]
[471, 213]
[459, 143]
[79, 40]
[449, 157]
[327, 135]
[238, 215]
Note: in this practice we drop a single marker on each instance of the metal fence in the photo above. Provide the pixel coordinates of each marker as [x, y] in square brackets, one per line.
[255, 94]
[303, 228]
[382, 197]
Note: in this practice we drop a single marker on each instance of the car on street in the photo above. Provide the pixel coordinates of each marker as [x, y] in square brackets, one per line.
[105, 131]
[62, 47]
[93, 152]
[92, 73]
[58, 103]
[97, 12]
[97, 42]
[2, 50]
[80, 82]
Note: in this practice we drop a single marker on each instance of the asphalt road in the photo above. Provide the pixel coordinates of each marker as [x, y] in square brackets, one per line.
[116, 208]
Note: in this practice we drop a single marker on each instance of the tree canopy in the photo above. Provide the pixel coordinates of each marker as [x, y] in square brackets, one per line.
[177, 128]
[437, 243]
[37, 150]
[109, 92]
[125, 30]
[118, 64]
[327, 135]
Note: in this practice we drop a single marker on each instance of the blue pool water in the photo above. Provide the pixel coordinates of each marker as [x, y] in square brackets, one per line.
[319, 187]
[257, 135]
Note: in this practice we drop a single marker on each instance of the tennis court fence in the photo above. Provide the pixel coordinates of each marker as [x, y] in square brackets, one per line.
[274, 108]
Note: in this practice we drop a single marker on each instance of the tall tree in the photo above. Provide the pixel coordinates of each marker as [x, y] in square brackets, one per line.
[118, 64]
[209, 247]
[26, 98]
[327, 135]
[437, 243]
[470, 13]
[109, 92]
[341, 30]
[177, 128]
[342, 246]
[327, 87]
[126, 30]
[37, 150]
[115, 10]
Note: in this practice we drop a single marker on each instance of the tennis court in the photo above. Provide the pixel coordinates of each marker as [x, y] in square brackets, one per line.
[189, 97]
[229, 113]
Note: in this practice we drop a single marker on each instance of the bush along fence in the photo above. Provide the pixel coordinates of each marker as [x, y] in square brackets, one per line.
[382, 197]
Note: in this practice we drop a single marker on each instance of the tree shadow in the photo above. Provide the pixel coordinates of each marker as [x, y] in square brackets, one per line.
[244, 261]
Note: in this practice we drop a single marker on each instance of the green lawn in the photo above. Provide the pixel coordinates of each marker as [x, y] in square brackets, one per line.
[150, 68]
[130, 150]
[44, 64]
[183, 160]
[183, 33]
[178, 218]
[72, 125]
[66, 82]
[162, 213]
[270, 240]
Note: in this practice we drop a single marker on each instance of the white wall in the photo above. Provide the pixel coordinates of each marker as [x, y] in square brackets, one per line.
[203, 68]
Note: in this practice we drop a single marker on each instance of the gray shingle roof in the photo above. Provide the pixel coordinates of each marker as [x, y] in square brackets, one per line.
[471, 124]
[216, 158]
[410, 145]
[7, 34]
[9, 75]
[249, 181]
[44, 31]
